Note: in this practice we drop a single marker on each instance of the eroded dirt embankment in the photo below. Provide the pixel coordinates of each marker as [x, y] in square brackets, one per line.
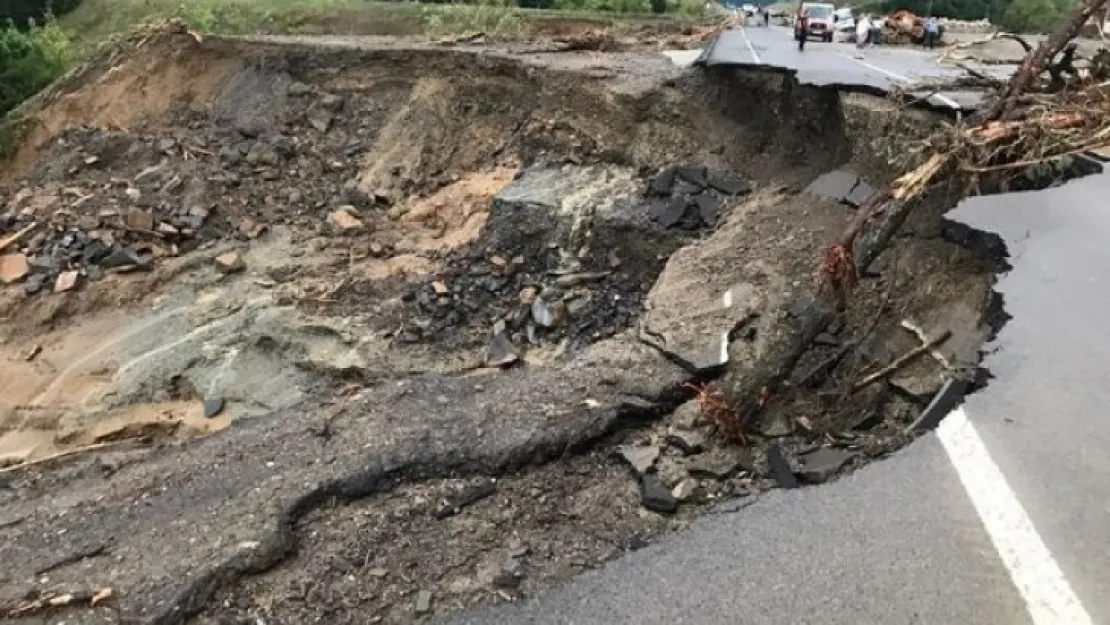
[399, 280]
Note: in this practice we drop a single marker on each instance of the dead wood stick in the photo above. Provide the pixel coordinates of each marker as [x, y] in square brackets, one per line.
[14, 238]
[1034, 62]
[924, 338]
[901, 361]
[61, 454]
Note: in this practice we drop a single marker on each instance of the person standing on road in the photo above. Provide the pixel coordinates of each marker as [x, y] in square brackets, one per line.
[932, 32]
[863, 34]
[766, 11]
[801, 26]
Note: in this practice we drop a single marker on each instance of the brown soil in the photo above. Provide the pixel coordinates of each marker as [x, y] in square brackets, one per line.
[350, 360]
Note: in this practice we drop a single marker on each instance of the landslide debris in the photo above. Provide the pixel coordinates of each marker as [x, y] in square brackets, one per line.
[452, 311]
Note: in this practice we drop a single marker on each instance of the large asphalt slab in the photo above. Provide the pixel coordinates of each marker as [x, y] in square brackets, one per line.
[881, 69]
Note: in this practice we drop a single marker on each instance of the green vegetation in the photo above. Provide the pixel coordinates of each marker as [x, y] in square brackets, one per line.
[30, 59]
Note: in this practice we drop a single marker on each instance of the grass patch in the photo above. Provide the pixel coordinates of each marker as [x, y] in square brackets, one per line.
[97, 20]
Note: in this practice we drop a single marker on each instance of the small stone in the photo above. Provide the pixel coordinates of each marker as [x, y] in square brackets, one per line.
[688, 441]
[121, 258]
[66, 281]
[821, 464]
[13, 267]
[663, 181]
[213, 406]
[230, 262]
[777, 426]
[826, 340]
[345, 219]
[548, 315]
[138, 219]
[423, 601]
[528, 295]
[685, 490]
[377, 572]
[298, 89]
[641, 459]
[250, 228]
[34, 284]
[320, 119]
[501, 352]
[721, 464]
[440, 287]
[688, 415]
[132, 194]
[655, 497]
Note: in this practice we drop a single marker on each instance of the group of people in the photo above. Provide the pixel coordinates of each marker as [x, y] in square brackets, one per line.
[866, 31]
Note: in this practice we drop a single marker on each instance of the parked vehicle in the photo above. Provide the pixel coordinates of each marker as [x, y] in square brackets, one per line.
[821, 20]
[749, 9]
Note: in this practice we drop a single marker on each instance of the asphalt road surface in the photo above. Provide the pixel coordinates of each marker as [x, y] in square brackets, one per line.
[999, 517]
[835, 64]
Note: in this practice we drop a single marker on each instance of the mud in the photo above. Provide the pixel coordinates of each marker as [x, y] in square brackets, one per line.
[393, 212]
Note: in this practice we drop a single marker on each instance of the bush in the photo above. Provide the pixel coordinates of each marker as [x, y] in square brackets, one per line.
[30, 60]
[22, 11]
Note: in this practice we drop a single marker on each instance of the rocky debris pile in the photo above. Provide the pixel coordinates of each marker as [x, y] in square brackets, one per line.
[691, 196]
[682, 462]
[566, 254]
[116, 201]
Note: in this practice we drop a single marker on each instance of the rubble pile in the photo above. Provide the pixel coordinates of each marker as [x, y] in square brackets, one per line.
[118, 201]
[568, 254]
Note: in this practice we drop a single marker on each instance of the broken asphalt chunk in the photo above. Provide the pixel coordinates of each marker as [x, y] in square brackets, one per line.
[668, 213]
[640, 458]
[655, 497]
[859, 194]
[662, 183]
[696, 175]
[780, 468]
[121, 258]
[729, 184]
[708, 208]
[821, 464]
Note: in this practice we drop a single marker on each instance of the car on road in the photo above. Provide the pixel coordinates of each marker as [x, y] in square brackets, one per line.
[845, 24]
[749, 9]
[822, 24]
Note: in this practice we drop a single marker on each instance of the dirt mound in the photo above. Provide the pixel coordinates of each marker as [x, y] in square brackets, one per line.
[351, 246]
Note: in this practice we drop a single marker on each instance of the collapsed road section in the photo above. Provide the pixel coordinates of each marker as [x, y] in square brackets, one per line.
[346, 334]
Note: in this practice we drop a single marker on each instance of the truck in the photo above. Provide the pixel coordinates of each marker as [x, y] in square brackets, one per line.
[822, 20]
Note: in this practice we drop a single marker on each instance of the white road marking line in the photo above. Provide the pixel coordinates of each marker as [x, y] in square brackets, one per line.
[943, 98]
[1048, 597]
[751, 49]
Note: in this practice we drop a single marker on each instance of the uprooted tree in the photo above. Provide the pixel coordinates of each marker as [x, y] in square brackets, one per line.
[1026, 126]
